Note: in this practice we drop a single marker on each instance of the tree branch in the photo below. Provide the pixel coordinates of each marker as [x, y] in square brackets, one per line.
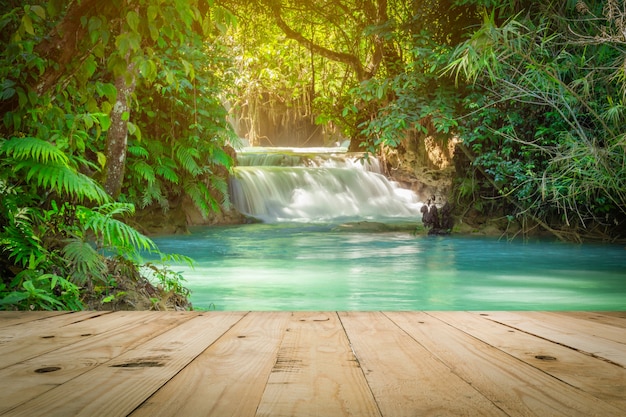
[349, 59]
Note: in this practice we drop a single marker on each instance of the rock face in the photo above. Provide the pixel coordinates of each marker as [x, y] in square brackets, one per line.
[182, 214]
[424, 164]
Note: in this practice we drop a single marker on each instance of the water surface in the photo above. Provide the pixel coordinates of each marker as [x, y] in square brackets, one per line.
[312, 267]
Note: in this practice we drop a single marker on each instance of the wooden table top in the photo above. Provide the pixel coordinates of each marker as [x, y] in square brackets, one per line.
[326, 364]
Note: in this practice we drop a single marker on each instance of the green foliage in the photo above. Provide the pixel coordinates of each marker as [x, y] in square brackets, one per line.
[415, 100]
[58, 228]
[546, 124]
[167, 278]
[44, 165]
[184, 130]
[31, 291]
[111, 233]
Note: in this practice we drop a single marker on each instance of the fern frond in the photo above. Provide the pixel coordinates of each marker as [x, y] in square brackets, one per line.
[220, 157]
[167, 173]
[112, 209]
[187, 158]
[145, 171]
[138, 151]
[19, 239]
[156, 147]
[201, 197]
[151, 194]
[221, 185]
[64, 180]
[115, 234]
[34, 149]
[83, 261]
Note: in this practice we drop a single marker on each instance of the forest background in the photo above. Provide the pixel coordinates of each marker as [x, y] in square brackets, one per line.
[112, 107]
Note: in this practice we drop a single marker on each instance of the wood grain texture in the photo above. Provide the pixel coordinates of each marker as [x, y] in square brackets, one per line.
[35, 376]
[564, 331]
[316, 372]
[229, 377]
[604, 318]
[119, 386]
[10, 318]
[527, 379]
[407, 379]
[32, 339]
[329, 364]
[614, 331]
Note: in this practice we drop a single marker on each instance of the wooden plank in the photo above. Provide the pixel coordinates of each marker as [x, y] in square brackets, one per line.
[119, 386]
[31, 378]
[10, 318]
[316, 372]
[229, 377]
[518, 388]
[599, 378]
[582, 338]
[578, 325]
[407, 379]
[621, 314]
[32, 339]
[595, 317]
[42, 325]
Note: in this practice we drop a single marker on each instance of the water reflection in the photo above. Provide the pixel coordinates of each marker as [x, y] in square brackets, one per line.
[310, 267]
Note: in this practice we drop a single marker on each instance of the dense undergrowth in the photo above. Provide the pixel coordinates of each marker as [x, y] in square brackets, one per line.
[103, 111]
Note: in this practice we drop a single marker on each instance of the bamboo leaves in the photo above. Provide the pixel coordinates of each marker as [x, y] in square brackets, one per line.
[572, 164]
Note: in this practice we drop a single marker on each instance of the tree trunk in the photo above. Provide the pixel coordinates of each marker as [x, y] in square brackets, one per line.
[117, 136]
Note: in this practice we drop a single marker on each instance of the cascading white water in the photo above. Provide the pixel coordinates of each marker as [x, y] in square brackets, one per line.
[319, 184]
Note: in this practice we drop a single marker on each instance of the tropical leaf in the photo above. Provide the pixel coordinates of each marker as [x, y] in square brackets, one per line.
[221, 185]
[20, 240]
[145, 171]
[187, 157]
[220, 157]
[153, 193]
[167, 173]
[201, 197]
[33, 148]
[138, 151]
[84, 261]
[64, 180]
[115, 234]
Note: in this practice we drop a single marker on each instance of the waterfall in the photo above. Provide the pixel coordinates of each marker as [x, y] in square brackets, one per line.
[316, 184]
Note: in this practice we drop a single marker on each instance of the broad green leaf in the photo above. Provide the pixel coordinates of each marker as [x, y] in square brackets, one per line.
[39, 11]
[153, 12]
[132, 18]
[27, 24]
[380, 92]
[105, 121]
[108, 90]
[106, 107]
[188, 68]
[94, 24]
[90, 66]
[102, 159]
[134, 130]
[148, 70]
[88, 120]
[154, 33]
